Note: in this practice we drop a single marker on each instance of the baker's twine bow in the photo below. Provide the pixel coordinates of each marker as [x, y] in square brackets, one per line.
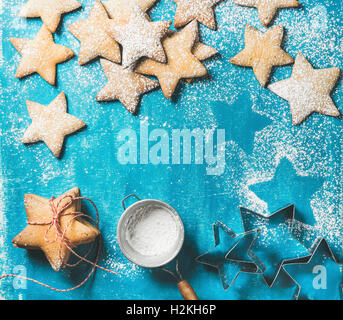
[61, 234]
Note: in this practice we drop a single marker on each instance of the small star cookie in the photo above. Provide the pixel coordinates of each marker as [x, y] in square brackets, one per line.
[124, 85]
[51, 124]
[39, 237]
[267, 8]
[262, 52]
[182, 63]
[308, 90]
[50, 11]
[200, 10]
[94, 39]
[40, 55]
[140, 38]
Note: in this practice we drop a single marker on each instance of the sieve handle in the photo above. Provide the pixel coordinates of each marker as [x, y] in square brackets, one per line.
[186, 290]
[130, 195]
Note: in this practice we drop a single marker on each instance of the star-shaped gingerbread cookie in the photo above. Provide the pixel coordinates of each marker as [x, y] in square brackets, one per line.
[38, 210]
[308, 90]
[145, 5]
[262, 52]
[40, 55]
[51, 124]
[267, 8]
[202, 52]
[50, 11]
[121, 11]
[124, 85]
[181, 62]
[200, 10]
[95, 42]
[140, 38]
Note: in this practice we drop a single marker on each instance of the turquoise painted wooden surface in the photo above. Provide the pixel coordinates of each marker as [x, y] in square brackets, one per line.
[269, 162]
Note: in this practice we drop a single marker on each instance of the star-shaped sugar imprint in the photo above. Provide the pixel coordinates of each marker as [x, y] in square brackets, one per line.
[49, 11]
[320, 276]
[95, 42]
[140, 38]
[275, 245]
[240, 131]
[308, 90]
[181, 62]
[40, 55]
[286, 186]
[45, 237]
[226, 243]
[262, 52]
[124, 85]
[267, 8]
[51, 124]
[200, 10]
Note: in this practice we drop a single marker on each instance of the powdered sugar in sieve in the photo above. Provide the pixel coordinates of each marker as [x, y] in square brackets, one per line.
[152, 231]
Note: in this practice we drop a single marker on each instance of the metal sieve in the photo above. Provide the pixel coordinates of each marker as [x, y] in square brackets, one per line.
[124, 224]
[153, 261]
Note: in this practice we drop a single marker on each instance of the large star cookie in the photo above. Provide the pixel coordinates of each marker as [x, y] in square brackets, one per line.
[308, 90]
[140, 38]
[182, 63]
[262, 52]
[200, 10]
[50, 11]
[94, 39]
[124, 85]
[40, 55]
[39, 237]
[51, 124]
[267, 8]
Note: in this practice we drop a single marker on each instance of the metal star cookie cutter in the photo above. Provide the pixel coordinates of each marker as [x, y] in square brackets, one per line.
[229, 263]
[288, 219]
[305, 261]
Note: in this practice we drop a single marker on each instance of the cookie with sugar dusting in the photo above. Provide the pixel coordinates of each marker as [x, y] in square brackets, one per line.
[145, 5]
[181, 62]
[40, 55]
[51, 124]
[267, 8]
[39, 237]
[95, 42]
[200, 10]
[139, 38]
[121, 11]
[203, 52]
[262, 52]
[308, 90]
[49, 11]
[124, 85]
